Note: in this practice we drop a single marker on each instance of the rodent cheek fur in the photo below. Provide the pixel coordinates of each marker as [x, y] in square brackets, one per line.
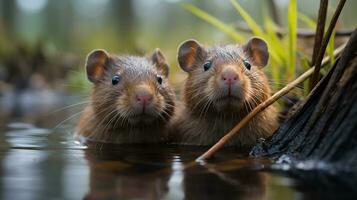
[245, 85]
[196, 89]
[123, 104]
[211, 89]
[160, 102]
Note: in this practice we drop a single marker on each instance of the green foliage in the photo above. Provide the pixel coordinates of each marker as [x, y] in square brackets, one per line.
[248, 19]
[229, 30]
[305, 65]
[282, 49]
[254, 27]
[77, 81]
[292, 37]
[307, 20]
[274, 42]
[331, 45]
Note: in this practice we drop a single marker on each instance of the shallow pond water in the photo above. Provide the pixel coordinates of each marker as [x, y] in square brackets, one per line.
[40, 162]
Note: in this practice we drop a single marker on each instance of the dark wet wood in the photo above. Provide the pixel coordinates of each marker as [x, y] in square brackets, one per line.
[325, 127]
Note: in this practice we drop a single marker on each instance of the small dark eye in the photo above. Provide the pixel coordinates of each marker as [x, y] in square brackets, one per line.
[247, 64]
[207, 65]
[116, 79]
[159, 79]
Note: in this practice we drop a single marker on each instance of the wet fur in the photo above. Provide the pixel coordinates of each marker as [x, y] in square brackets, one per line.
[106, 119]
[200, 122]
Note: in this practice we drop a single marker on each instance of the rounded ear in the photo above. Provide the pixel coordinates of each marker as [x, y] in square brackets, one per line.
[95, 64]
[159, 60]
[257, 49]
[188, 54]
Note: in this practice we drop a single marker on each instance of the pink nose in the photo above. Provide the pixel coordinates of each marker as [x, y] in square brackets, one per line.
[143, 98]
[229, 76]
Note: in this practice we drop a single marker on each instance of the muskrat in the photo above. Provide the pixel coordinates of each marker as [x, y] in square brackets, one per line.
[224, 84]
[131, 101]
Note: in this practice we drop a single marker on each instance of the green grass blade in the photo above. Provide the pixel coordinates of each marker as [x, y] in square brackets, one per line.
[255, 28]
[292, 38]
[307, 20]
[274, 41]
[305, 65]
[331, 47]
[229, 30]
[275, 46]
[248, 19]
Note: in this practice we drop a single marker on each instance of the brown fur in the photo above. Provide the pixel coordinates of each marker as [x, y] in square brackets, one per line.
[110, 118]
[204, 119]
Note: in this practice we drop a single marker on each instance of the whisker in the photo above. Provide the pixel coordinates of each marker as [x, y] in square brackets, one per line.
[70, 106]
[72, 116]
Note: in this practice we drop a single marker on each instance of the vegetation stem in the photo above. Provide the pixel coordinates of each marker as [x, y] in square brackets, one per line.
[320, 55]
[209, 153]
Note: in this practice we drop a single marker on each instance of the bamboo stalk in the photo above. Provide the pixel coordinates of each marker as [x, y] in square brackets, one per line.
[320, 55]
[210, 152]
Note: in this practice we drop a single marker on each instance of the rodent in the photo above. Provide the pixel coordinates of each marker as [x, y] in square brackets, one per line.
[131, 101]
[224, 83]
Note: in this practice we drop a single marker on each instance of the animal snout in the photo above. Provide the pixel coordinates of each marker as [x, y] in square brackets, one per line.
[143, 96]
[229, 76]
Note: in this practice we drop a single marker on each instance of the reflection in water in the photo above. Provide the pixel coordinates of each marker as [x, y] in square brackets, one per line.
[38, 163]
[239, 184]
[37, 174]
[116, 176]
[127, 172]
[20, 172]
[175, 182]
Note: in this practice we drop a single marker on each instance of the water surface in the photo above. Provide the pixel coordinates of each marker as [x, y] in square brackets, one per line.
[38, 161]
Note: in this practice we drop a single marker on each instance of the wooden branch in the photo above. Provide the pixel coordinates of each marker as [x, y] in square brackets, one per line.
[208, 154]
[320, 29]
[320, 55]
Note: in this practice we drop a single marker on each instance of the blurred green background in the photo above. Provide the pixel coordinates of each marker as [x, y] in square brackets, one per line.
[43, 43]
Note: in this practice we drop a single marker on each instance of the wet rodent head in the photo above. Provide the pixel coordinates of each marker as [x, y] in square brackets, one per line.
[130, 90]
[226, 78]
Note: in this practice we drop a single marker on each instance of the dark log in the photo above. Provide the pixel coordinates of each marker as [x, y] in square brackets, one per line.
[324, 129]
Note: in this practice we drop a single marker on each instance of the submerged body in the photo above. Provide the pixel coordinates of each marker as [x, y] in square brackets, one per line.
[131, 100]
[224, 84]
